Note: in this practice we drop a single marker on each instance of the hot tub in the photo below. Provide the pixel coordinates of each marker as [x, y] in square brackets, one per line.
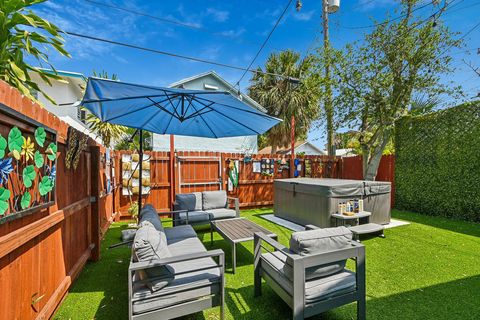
[312, 201]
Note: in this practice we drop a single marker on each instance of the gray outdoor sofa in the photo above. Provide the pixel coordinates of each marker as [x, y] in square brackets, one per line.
[171, 274]
[203, 207]
[310, 276]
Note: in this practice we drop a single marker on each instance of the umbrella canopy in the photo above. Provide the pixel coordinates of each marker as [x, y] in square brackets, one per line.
[200, 113]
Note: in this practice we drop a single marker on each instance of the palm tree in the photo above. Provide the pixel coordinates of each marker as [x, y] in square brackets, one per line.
[295, 93]
[108, 132]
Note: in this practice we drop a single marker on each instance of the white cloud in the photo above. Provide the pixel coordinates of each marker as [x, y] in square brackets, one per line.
[303, 15]
[218, 15]
[84, 18]
[211, 52]
[366, 5]
[233, 33]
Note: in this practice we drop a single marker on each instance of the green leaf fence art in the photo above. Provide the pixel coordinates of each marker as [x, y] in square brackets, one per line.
[4, 196]
[15, 142]
[52, 151]
[38, 158]
[29, 175]
[3, 145]
[46, 185]
[26, 199]
[40, 136]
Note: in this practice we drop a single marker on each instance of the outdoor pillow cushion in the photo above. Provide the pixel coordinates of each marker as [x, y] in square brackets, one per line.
[317, 241]
[149, 245]
[128, 234]
[198, 201]
[148, 213]
[186, 201]
[214, 199]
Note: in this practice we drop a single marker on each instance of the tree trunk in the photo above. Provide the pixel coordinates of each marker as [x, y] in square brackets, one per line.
[273, 150]
[371, 165]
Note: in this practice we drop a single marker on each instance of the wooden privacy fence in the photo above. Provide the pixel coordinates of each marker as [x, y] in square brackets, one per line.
[43, 252]
[352, 169]
[191, 171]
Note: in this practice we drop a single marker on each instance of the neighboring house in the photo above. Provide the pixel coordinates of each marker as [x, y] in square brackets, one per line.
[66, 95]
[303, 147]
[345, 152]
[210, 81]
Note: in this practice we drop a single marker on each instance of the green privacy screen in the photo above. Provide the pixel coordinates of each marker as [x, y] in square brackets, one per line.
[437, 165]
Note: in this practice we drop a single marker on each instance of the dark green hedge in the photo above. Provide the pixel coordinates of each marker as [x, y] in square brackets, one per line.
[437, 165]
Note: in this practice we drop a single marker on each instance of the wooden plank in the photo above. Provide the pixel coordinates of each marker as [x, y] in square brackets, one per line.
[59, 294]
[17, 238]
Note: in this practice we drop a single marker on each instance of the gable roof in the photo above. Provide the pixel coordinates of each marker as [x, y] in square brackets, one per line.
[230, 87]
[298, 144]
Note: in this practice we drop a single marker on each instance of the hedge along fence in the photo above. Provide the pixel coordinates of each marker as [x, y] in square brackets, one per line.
[437, 167]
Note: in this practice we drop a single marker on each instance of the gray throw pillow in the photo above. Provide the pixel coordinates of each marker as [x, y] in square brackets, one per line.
[148, 213]
[318, 241]
[198, 201]
[186, 201]
[148, 245]
[214, 199]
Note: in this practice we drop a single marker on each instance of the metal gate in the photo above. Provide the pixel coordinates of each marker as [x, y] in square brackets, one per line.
[199, 173]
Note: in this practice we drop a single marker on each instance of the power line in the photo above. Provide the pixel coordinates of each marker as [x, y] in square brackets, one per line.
[167, 20]
[166, 53]
[387, 21]
[266, 40]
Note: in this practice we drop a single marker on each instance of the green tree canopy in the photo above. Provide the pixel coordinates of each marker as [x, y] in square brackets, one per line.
[20, 38]
[284, 98]
[379, 79]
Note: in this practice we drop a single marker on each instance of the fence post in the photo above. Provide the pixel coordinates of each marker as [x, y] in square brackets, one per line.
[94, 198]
[172, 171]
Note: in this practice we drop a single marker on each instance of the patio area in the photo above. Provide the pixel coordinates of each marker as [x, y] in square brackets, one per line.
[428, 269]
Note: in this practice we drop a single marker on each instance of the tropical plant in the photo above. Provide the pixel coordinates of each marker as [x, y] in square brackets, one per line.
[108, 132]
[133, 210]
[19, 41]
[376, 81]
[127, 143]
[294, 93]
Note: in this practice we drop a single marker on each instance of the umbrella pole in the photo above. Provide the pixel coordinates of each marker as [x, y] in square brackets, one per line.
[140, 178]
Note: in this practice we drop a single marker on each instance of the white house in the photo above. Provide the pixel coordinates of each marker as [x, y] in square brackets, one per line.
[65, 93]
[303, 147]
[210, 81]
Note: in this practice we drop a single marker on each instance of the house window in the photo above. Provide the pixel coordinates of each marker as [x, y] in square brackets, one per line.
[81, 114]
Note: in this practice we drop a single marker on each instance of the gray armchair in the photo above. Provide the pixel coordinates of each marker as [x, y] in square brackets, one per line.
[311, 280]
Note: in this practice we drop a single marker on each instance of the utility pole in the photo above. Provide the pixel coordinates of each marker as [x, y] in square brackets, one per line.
[328, 89]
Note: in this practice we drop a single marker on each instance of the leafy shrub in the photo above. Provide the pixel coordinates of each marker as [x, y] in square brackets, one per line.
[437, 167]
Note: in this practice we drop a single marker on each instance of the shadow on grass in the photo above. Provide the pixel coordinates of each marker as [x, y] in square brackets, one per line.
[459, 226]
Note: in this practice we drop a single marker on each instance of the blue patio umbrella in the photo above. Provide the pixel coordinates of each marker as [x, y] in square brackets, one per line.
[200, 113]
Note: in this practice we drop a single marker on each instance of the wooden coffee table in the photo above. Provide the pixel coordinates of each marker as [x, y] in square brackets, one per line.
[237, 230]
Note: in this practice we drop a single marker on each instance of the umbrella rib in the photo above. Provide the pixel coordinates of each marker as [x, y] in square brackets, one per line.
[124, 98]
[231, 119]
[171, 118]
[174, 108]
[252, 112]
[205, 122]
[157, 104]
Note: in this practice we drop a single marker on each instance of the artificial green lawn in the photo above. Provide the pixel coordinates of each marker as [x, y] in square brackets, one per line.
[429, 269]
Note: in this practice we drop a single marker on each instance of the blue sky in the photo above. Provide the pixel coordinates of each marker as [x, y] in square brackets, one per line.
[225, 31]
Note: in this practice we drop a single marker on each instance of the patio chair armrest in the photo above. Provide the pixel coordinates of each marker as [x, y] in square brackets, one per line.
[260, 237]
[311, 227]
[143, 265]
[236, 203]
[354, 251]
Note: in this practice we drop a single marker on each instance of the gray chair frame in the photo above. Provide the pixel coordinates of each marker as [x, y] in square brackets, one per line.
[296, 301]
[177, 221]
[183, 308]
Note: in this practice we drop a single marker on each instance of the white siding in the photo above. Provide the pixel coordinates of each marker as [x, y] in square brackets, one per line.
[236, 144]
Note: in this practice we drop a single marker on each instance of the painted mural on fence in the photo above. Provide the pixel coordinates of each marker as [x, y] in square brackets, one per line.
[27, 170]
